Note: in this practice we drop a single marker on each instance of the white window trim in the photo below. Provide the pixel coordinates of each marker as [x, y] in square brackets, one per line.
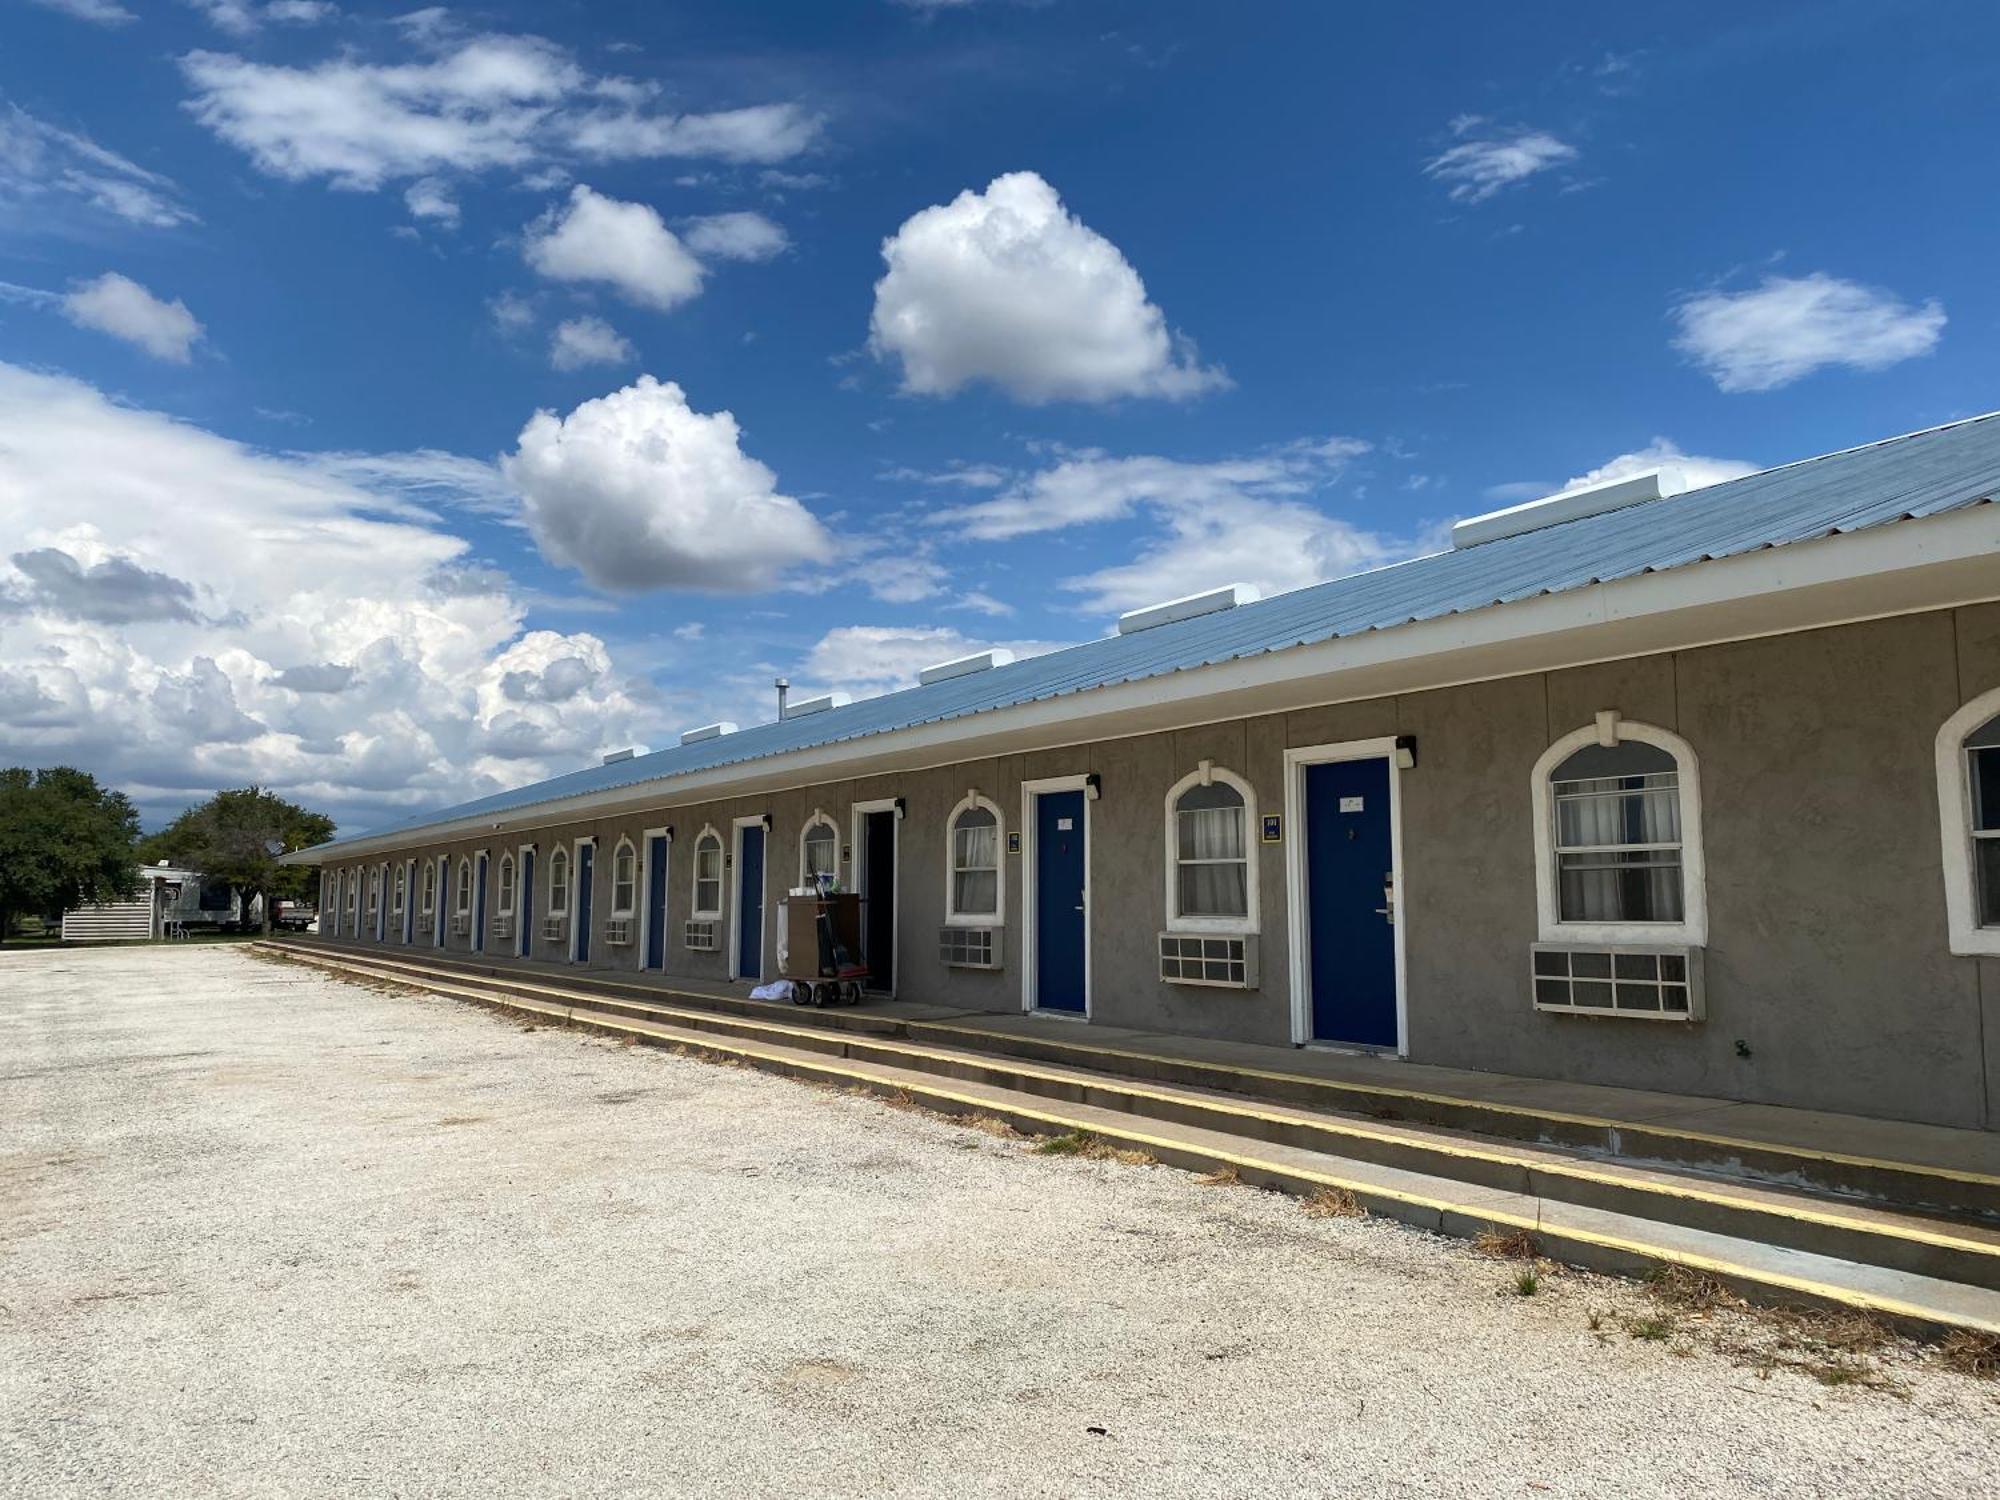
[645, 893]
[430, 886]
[1954, 784]
[560, 886]
[632, 908]
[1610, 729]
[397, 893]
[374, 889]
[1248, 923]
[504, 879]
[953, 917]
[733, 869]
[461, 891]
[1030, 790]
[819, 819]
[702, 913]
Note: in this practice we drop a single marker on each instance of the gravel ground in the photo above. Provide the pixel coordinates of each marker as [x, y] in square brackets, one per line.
[263, 1232]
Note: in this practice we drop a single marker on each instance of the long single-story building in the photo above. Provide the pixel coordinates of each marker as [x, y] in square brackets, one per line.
[1696, 792]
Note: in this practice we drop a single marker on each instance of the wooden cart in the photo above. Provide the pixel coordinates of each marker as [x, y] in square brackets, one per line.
[822, 939]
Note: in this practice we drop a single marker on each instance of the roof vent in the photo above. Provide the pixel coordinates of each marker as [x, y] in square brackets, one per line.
[1569, 505]
[965, 666]
[617, 755]
[817, 705]
[707, 732]
[1186, 608]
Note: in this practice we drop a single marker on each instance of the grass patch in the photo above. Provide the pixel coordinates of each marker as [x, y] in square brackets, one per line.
[1333, 1203]
[1082, 1144]
[1687, 1290]
[1223, 1176]
[1974, 1354]
[1528, 1283]
[1650, 1330]
[1506, 1244]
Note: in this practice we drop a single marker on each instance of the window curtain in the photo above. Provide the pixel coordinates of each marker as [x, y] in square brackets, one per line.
[819, 852]
[975, 889]
[1214, 862]
[1602, 876]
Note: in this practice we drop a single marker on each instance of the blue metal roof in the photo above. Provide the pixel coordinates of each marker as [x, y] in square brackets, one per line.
[1923, 474]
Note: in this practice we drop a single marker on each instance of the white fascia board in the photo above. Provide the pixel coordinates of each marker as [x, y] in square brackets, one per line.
[1934, 563]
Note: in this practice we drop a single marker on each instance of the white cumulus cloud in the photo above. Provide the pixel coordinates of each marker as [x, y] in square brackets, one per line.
[1489, 159]
[119, 306]
[1789, 326]
[637, 490]
[1006, 286]
[621, 245]
[428, 198]
[870, 659]
[1699, 470]
[181, 612]
[588, 341]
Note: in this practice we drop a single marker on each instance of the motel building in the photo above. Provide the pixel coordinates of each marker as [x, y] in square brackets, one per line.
[1695, 791]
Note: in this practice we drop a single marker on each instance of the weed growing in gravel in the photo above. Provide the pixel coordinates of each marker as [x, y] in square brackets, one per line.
[1528, 1283]
[1651, 1330]
[1333, 1203]
[1223, 1176]
[1689, 1290]
[1508, 1244]
[1083, 1144]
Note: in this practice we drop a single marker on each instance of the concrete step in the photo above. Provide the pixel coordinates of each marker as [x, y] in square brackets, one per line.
[1676, 1204]
[1972, 1197]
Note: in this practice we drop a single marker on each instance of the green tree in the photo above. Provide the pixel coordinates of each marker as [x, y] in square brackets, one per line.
[64, 841]
[238, 836]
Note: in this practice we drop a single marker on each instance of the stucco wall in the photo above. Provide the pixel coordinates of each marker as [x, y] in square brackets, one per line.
[1830, 984]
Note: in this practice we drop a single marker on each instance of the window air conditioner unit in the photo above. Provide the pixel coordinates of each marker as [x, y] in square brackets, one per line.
[461, 924]
[618, 931]
[552, 929]
[1645, 983]
[503, 929]
[1226, 961]
[701, 937]
[969, 947]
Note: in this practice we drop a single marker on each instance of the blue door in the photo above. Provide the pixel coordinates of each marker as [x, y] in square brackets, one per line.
[1059, 915]
[479, 904]
[524, 907]
[1350, 921]
[586, 857]
[443, 899]
[750, 905]
[656, 902]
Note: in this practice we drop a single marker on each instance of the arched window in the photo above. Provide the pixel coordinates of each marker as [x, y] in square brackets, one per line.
[819, 849]
[402, 889]
[464, 902]
[353, 878]
[559, 882]
[624, 879]
[430, 887]
[1211, 873]
[1968, 772]
[374, 890]
[506, 885]
[974, 892]
[708, 874]
[1618, 834]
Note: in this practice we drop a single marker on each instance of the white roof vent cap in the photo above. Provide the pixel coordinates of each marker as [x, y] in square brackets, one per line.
[1569, 505]
[965, 666]
[817, 705]
[617, 755]
[1188, 607]
[707, 732]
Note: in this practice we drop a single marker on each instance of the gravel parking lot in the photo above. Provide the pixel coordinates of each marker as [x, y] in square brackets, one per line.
[263, 1232]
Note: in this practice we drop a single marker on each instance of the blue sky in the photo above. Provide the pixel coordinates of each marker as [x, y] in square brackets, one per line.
[869, 333]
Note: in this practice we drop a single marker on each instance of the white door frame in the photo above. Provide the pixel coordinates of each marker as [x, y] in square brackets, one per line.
[735, 874]
[1297, 925]
[577, 935]
[1030, 790]
[858, 843]
[646, 837]
[525, 930]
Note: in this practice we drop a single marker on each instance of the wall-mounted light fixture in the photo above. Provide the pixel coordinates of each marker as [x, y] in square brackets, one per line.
[1406, 752]
[901, 809]
[765, 822]
[1093, 786]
